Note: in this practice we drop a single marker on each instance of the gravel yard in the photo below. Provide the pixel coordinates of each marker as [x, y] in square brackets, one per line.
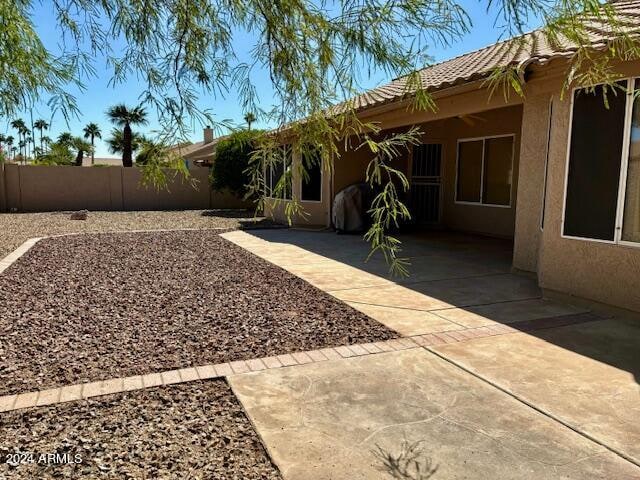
[92, 307]
[15, 228]
[191, 431]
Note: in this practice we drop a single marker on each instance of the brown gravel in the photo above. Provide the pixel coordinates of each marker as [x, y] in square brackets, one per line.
[15, 228]
[190, 431]
[91, 307]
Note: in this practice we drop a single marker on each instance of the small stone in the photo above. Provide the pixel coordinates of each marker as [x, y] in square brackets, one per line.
[79, 215]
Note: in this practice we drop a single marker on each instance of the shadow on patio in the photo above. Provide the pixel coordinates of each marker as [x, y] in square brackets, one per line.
[456, 282]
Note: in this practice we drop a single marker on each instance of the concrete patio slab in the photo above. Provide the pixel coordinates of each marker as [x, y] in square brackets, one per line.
[586, 375]
[331, 275]
[455, 281]
[335, 420]
[405, 321]
[437, 295]
[508, 312]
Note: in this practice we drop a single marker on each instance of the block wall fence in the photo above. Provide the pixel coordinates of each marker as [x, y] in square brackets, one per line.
[29, 188]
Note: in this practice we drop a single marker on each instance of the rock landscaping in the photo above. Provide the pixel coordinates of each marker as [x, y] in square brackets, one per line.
[92, 307]
[190, 431]
[15, 228]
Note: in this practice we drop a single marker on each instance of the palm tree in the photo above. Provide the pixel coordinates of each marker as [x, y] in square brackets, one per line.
[41, 125]
[28, 140]
[21, 145]
[9, 141]
[80, 146]
[20, 127]
[123, 116]
[65, 138]
[116, 141]
[92, 131]
[249, 118]
[46, 141]
[13, 151]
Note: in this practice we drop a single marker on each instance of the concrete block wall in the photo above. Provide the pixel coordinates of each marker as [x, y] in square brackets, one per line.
[29, 188]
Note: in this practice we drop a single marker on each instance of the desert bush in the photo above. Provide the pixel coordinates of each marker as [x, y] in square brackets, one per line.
[231, 160]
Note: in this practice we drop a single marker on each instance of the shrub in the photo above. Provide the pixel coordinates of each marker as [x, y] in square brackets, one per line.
[58, 154]
[231, 160]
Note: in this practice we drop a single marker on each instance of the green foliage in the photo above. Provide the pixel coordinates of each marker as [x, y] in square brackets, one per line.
[229, 170]
[159, 164]
[92, 131]
[28, 69]
[65, 138]
[249, 119]
[124, 117]
[58, 154]
[121, 115]
[116, 143]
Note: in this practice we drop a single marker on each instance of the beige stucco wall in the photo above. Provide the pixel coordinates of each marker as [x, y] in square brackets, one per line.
[602, 272]
[313, 214]
[52, 188]
[533, 151]
[490, 220]
[605, 273]
[484, 219]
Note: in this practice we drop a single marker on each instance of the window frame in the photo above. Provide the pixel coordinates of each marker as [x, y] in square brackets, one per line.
[321, 184]
[484, 139]
[624, 165]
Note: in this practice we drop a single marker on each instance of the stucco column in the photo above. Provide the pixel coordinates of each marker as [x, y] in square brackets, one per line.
[531, 180]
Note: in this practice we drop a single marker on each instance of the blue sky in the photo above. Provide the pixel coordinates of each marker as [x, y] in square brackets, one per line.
[99, 96]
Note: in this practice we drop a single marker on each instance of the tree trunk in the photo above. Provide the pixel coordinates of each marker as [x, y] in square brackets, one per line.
[79, 158]
[126, 147]
[93, 151]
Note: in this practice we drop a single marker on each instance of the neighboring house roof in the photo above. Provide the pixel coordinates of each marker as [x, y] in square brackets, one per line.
[532, 47]
[199, 151]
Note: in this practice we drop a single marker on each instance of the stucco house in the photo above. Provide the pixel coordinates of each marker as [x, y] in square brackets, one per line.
[555, 170]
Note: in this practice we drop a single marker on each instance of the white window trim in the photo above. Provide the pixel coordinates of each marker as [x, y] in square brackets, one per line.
[476, 139]
[321, 185]
[624, 164]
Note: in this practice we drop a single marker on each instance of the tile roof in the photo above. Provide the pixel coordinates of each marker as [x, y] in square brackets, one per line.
[198, 150]
[532, 47]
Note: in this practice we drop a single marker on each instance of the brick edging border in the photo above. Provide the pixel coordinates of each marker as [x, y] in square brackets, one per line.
[82, 391]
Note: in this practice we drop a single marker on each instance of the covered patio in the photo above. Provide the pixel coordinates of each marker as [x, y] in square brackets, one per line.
[456, 281]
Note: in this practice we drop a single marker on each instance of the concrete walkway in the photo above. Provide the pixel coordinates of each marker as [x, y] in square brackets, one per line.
[339, 420]
[557, 402]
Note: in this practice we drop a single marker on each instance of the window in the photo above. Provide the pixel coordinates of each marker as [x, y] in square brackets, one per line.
[594, 165]
[274, 173]
[603, 167]
[485, 171]
[311, 188]
[631, 215]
